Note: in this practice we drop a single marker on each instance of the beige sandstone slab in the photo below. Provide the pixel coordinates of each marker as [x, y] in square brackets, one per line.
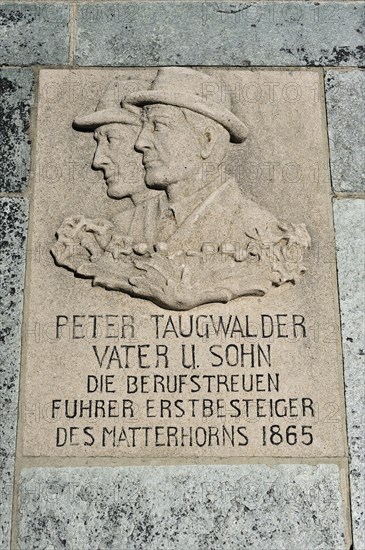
[234, 349]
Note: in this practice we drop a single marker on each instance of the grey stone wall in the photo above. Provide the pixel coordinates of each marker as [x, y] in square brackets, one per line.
[177, 507]
[284, 34]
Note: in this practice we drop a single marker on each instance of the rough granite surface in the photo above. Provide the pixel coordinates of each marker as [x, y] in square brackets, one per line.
[345, 99]
[254, 507]
[34, 33]
[350, 241]
[13, 226]
[220, 33]
[16, 87]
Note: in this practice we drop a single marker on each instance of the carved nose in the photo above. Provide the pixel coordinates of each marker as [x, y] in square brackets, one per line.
[99, 159]
[142, 141]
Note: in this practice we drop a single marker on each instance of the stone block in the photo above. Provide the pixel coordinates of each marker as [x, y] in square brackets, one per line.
[345, 100]
[16, 99]
[219, 33]
[175, 507]
[34, 33]
[13, 226]
[350, 240]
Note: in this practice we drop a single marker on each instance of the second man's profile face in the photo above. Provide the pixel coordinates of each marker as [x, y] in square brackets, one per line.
[116, 157]
[170, 147]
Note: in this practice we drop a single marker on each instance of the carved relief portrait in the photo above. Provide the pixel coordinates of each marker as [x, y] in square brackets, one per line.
[186, 235]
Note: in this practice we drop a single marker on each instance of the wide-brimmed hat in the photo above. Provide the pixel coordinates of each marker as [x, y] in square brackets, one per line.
[109, 109]
[190, 89]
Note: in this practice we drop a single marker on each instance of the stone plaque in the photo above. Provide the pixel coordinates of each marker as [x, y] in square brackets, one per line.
[182, 285]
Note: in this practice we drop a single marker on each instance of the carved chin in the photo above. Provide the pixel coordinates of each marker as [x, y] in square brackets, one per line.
[154, 178]
[115, 191]
[157, 178]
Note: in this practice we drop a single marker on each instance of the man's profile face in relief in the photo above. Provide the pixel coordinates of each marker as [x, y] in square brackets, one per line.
[116, 157]
[169, 145]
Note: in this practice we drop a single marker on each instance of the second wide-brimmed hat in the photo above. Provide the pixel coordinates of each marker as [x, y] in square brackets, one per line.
[109, 109]
[190, 89]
